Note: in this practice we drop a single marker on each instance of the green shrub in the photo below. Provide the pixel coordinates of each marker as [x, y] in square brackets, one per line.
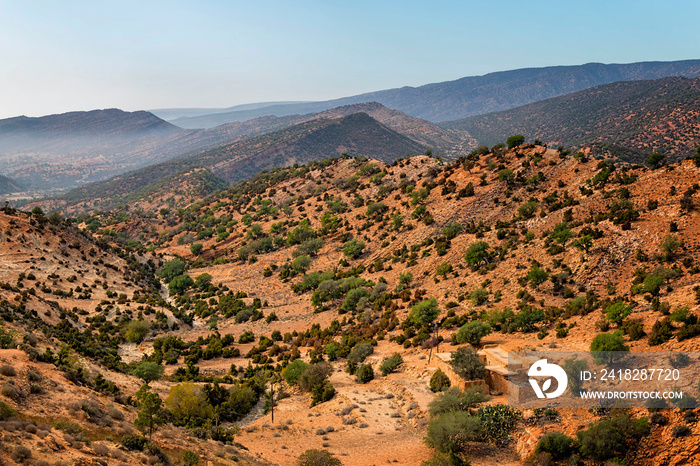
[134, 442]
[452, 431]
[655, 160]
[390, 364]
[406, 278]
[180, 284]
[246, 337]
[188, 404]
[360, 352]
[424, 312]
[608, 347]
[365, 373]
[241, 400]
[353, 248]
[443, 269]
[452, 230]
[479, 295]
[466, 363]
[445, 459]
[322, 393]
[318, 458]
[661, 332]
[136, 331]
[148, 371]
[556, 444]
[477, 253]
[293, 371]
[171, 269]
[515, 140]
[314, 375]
[202, 281]
[528, 209]
[190, 458]
[611, 437]
[472, 332]
[454, 399]
[439, 381]
[616, 313]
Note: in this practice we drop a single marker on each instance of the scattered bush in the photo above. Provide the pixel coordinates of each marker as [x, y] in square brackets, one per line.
[360, 352]
[452, 431]
[556, 444]
[439, 381]
[322, 393]
[390, 364]
[134, 442]
[353, 248]
[455, 399]
[680, 431]
[20, 454]
[136, 331]
[318, 458]
[293, 371]
[314, 375]
[11, 392]
[608, 347]
[190, 458]
[365, 373]
[611, 437]
[472, 333]
[466, 363]
[6, 411]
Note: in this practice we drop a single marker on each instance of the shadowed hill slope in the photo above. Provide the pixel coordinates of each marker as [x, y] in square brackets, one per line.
[629, 120]
[357, 135]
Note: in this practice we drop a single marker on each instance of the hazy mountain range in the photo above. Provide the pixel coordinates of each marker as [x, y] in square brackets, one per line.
[628, 115]
[474, 95]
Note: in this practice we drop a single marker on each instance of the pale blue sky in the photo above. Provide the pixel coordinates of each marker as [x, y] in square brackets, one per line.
[80, 55]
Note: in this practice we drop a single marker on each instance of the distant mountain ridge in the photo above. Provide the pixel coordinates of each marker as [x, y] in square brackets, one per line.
[172, 113]
[421, 131]
[474, 95]
[630, 120]
[357, 134]
[96, 126]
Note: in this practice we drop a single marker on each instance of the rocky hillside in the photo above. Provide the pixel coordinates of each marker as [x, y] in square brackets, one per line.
[628, 120]
[322, 282]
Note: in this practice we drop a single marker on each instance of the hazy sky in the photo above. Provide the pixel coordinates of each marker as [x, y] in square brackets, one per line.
[81, 55]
